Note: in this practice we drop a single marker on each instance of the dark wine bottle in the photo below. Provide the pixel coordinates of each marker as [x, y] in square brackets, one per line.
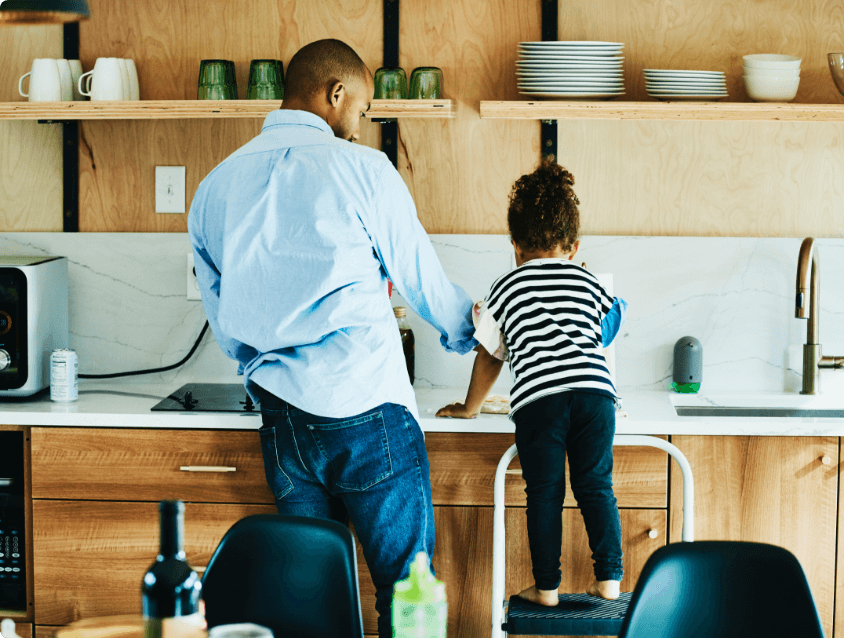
[170, 588]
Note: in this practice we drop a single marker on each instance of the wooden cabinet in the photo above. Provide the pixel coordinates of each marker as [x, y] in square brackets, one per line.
[148, 465]
[95, 516]
[463, 560]
[90, 556]
[463, 472]
[770, 490]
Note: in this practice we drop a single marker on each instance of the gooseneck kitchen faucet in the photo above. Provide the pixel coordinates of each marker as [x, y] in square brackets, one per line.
[809, 285]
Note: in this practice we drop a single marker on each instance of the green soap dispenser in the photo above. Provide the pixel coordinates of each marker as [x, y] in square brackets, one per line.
[419, 607]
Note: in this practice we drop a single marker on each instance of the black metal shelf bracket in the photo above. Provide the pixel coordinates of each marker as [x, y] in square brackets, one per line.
[550, 22]
[390, 127]
[70, 145]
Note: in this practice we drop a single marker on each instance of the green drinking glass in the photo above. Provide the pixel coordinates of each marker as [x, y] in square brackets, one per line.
[390, 84]
[212, 81]
[426, 83]
[266, 80]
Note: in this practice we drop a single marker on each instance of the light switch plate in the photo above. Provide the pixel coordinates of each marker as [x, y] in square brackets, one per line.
[192, 284]
[169, 189]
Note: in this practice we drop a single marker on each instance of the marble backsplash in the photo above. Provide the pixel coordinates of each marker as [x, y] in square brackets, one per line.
[128, 306]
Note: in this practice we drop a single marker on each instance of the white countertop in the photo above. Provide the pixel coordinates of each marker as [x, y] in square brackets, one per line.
[128, 403]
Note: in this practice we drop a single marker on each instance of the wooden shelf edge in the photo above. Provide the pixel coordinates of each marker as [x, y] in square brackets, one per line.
[620, 110]
[202, 109]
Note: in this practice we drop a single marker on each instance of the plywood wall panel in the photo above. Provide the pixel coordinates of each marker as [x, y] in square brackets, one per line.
[706, 178]
[30, 153]
[168, 41]
[709, 178]
[460, 171]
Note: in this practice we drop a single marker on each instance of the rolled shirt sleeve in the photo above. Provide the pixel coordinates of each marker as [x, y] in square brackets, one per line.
[612, 322]
[488, 333]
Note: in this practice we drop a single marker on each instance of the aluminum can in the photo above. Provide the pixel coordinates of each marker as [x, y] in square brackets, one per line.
[64, 367]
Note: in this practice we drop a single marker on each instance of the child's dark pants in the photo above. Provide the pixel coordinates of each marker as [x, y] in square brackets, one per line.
[582, 424]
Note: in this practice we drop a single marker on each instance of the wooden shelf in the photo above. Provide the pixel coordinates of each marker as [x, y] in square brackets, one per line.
[202, 109]
[620, 110]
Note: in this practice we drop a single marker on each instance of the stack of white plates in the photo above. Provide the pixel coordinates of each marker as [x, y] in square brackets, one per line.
[570, 69]
[665, 84]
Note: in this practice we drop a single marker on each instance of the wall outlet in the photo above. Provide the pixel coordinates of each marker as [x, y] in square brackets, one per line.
[169, 189]
[193, 285]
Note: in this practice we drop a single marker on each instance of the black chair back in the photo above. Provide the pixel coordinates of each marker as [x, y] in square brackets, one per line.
[296, 575]
[722, 588]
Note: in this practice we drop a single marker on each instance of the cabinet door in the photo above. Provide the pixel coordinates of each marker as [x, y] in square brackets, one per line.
[463, 560]
[90, 556]
[765, 489]
[112, 464]
[463, 472]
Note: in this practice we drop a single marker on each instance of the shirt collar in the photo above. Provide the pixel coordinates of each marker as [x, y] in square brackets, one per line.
[549, 260]
[287, 117]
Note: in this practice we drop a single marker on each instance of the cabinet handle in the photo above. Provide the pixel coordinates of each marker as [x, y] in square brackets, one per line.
[519, 472]
[207, 468]
[826, 460]
[653, 533]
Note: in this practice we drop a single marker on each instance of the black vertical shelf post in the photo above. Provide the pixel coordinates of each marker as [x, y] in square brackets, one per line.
[70, 144]
[390, 128]
[550, 20]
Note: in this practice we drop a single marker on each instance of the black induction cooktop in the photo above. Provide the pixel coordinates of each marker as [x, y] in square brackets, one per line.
[208, 397]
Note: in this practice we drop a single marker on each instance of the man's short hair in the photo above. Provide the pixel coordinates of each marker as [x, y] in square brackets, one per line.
[318, 66]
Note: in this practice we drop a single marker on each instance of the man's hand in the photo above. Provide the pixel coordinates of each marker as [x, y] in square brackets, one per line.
[456, 410]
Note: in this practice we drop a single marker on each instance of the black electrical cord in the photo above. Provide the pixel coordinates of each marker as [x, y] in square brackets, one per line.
[151, 370]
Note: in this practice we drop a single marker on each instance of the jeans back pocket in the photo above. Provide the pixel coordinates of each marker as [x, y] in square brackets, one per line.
[277, 479]
[357, 450]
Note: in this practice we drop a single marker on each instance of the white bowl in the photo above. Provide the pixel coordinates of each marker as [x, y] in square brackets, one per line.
[771, 73]
[771, 89]
[771, 61]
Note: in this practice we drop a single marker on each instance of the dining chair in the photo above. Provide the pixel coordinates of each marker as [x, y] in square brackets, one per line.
[728, 589]
[296, 575]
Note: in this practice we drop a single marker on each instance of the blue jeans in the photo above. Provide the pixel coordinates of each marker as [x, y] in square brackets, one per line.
[371, 469]
[581, 424]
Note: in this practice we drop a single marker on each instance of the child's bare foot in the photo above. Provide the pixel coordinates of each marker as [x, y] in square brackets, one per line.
[607, 589]
[547, 597]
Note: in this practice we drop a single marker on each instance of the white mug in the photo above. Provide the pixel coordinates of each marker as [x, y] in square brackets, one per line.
[65, 79]
[44, 83]
[124, 75]
[134, 87]
[104, 81]
[75, 72]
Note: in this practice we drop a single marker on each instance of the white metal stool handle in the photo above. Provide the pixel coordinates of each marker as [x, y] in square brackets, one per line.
[498, 547]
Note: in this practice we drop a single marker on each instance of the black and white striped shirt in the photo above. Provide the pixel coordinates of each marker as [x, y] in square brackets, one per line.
[549, 312]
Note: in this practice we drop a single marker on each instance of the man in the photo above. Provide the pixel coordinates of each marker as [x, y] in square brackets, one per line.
[295, 235]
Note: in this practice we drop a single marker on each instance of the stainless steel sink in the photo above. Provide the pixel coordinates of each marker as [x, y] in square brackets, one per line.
[805, 413]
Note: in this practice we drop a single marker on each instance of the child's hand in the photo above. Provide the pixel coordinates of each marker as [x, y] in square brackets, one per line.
[456, 410]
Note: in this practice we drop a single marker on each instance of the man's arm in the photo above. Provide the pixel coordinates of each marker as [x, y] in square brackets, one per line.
[406, 253]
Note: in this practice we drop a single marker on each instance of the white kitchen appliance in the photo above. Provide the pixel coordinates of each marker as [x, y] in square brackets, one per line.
[33, 320]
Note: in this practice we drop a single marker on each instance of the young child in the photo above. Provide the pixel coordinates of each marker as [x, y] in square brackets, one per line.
[551, 319]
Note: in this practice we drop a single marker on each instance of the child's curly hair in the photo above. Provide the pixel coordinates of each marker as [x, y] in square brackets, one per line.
[543, 209]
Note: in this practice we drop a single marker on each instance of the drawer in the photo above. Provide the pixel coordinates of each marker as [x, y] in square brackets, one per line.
[90, 556]
[146, 465]
[463, 472]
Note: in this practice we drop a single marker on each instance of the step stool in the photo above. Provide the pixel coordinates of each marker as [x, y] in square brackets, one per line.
[576, 614]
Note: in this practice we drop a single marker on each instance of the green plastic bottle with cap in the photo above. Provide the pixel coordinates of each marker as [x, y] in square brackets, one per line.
[419, 606]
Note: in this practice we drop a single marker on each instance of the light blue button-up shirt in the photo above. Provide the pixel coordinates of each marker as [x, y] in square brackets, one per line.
[294, 236]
